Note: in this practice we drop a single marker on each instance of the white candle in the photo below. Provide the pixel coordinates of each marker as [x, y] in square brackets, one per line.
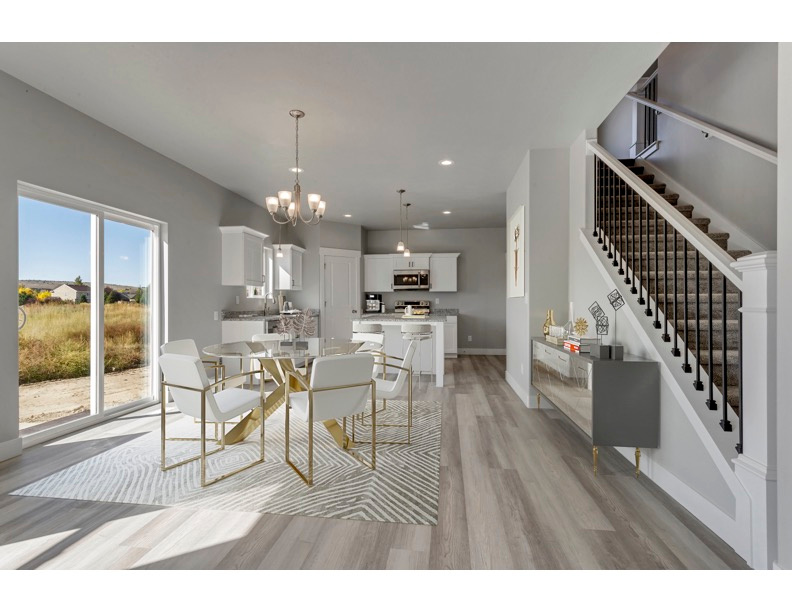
[572, 311]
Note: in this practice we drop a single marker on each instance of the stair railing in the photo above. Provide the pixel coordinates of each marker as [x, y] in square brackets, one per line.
[619, 194]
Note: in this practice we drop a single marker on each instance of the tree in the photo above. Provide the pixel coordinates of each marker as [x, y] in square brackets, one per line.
[83, 298]
[26, 295]
[78, 280]
[112, 296]
[141, 296]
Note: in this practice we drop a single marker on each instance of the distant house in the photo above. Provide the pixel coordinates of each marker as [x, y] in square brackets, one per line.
[72, 292]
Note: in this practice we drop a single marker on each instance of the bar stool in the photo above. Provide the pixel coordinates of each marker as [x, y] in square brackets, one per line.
[369, 333]
[417, 332]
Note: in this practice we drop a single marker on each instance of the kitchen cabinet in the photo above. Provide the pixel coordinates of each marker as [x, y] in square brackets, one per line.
[416, 261]
[378, 274]
[289, 268]
[242, 254]
[443, 272]
[450, 340]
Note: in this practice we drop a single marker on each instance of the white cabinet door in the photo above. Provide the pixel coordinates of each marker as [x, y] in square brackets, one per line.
[450, 341]
[443, 272]
[378, 275]
[242, 255]
[254, 260]
[416, 261]
[297, 269]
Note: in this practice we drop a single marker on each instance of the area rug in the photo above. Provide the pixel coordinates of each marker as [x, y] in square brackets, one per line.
[403, 489]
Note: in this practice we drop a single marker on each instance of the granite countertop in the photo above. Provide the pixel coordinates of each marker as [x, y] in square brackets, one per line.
[253, 315]
[447, 312]
[394, 317]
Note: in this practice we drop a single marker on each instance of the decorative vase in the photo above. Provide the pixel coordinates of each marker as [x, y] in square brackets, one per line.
[549, 321]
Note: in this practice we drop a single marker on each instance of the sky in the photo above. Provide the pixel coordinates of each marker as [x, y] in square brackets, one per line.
[55, 244]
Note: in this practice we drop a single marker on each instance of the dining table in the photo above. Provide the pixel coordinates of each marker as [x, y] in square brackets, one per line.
[280, 358]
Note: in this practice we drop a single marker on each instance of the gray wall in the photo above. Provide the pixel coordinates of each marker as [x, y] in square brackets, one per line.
[49, 144]
[784, 297]
[481, 279]
[734, 86]
[541, 184]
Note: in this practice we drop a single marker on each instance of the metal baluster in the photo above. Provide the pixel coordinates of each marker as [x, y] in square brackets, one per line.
[624, 231]
[648, 310]
[697, 384]
[597, 198]
[631, 276]
[711, 403]
[686, 364]
[666, 337]
[656, 323]
[641, 250]
[739, 446]
[607, 199]
[675, 350]
[725, 422]
[617, 216]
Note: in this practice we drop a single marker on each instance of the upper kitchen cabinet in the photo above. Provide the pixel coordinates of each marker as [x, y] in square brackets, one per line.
[443, 272]
[378, 275]
[242, 256]
[416, 261]
[289, 268]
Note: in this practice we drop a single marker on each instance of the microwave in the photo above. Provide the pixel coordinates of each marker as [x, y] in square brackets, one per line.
[410, 280]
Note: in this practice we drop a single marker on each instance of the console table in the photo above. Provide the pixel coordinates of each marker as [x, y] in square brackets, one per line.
[615, 402]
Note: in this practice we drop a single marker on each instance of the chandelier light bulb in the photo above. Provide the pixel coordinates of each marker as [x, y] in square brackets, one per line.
[272, 204]
[285, 198]
[292, 210]
[313, 200]
[321, 208]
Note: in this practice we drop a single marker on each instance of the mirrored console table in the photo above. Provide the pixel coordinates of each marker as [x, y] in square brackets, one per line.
[615, 403]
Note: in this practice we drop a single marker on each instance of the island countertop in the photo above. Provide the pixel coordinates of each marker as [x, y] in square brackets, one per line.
[254, 315]
[397, 317]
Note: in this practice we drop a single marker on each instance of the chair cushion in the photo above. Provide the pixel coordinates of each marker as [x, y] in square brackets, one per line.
[235, 401]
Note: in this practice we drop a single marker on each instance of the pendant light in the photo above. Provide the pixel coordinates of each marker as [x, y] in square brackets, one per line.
[279, 252]
[400, 246]
[407, 223]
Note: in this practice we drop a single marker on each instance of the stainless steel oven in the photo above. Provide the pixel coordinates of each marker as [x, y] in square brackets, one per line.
[410, 280]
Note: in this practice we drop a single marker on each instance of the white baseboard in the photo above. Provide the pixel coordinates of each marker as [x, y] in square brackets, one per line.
[527, 398]
[10, 448]
[482, 351]
[776, 566]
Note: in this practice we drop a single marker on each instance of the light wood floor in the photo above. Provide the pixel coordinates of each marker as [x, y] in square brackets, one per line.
[516, 491]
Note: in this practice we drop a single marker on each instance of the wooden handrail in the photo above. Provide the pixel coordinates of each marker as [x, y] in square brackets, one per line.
[697, 238]
[711, 130]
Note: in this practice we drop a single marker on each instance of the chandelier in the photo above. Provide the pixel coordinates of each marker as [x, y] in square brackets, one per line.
[286, 207]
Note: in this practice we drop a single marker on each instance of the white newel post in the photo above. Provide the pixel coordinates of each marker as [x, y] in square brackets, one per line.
[756, 466]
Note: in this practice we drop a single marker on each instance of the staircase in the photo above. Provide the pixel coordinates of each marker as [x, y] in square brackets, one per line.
[695, 307]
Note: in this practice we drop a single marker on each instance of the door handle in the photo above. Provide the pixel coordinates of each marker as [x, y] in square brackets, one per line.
[354, 312]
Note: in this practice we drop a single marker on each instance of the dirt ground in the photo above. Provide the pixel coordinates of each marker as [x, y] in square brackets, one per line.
[61, 399]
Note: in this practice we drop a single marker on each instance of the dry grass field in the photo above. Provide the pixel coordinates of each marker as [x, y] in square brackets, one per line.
[54, 344]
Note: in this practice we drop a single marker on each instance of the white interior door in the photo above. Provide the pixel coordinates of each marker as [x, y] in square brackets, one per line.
[341, 295]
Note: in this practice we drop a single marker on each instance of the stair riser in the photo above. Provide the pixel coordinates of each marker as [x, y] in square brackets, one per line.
[732, 339]
[687, 211]
[732, 310]
[720, 239]
[624, 224]
[648, 263]
[606, 190]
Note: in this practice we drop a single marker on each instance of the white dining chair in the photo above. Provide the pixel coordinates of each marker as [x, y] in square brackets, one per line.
[185, 378]
[373, 338]
[339, 388]
[391, 389]
[214, 369]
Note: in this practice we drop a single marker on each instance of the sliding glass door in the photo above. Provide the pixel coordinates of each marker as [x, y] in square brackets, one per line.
[89, 296]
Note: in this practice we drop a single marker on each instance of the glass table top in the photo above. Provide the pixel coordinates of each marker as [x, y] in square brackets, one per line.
[285, 349]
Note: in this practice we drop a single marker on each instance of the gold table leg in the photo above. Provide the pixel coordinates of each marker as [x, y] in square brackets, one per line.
[595, 453]
[637, 461]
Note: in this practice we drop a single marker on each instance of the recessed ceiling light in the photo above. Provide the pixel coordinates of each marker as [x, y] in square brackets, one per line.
[446, 162]
[295, 170]
[347, 216]
[446, 212]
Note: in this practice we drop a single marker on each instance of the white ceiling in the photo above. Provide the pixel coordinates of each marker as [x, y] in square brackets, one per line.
[379, 116]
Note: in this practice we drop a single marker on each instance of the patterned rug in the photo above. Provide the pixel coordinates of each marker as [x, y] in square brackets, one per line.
[403, 489]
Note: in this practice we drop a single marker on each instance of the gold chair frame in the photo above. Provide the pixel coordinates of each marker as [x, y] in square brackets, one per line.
[346, 439]
[203, 455]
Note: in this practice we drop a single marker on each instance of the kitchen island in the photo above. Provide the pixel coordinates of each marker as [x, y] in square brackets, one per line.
[430, 356]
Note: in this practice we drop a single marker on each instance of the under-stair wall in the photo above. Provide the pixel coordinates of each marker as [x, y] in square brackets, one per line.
[688, 465]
